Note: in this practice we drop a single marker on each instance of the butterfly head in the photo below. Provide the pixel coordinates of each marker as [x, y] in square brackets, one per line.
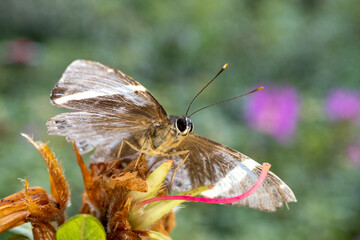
[183, 125]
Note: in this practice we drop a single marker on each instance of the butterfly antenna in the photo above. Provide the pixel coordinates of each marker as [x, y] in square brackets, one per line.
[223, 68]
[227, 100]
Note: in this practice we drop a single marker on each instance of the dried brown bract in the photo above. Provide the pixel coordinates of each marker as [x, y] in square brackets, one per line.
[108, 197]
[129, 200]
[34, 204]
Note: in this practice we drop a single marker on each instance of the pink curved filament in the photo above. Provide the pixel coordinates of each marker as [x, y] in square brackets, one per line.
[264, 172]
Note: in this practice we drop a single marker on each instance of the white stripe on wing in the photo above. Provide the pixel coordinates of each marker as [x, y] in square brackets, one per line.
[236, 175]
[80, 96]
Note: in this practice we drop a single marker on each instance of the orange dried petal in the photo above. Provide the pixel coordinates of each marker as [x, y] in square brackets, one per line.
[58, 184]
[128, 180]
[43, 231]
[120, 222]
[14, 208]
[88, 180]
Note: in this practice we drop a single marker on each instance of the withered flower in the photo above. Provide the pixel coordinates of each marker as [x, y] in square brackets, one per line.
[128, 200]
[112, 193]
[34, 204]
[132, 203]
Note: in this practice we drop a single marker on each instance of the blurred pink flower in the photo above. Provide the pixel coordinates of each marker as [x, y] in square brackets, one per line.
[343, 105]
[274, 111]
[353, 153]
[21, 51]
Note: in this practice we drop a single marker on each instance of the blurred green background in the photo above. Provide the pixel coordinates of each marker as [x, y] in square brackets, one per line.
[173, 49]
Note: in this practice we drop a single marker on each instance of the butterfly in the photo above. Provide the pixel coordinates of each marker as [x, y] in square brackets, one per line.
[114, 110]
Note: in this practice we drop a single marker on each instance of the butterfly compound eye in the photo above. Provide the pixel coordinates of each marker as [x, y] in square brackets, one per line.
[184, 125]
[181, 124]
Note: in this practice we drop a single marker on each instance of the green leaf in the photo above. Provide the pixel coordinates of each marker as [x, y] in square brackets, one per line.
[82, 227]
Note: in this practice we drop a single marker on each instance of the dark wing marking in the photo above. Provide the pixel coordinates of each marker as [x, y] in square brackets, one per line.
[94, 87]
[231, 172]
[113, 107]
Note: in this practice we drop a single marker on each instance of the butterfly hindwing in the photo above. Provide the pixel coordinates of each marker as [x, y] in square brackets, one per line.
[231, 172]
[90, 130]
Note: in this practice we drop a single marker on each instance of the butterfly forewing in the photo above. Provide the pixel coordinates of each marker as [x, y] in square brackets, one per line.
[94, 87]
[113, 107]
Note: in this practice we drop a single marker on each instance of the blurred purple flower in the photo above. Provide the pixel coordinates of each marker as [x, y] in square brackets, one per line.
[274, 111]
[343, 105]
[353, 153]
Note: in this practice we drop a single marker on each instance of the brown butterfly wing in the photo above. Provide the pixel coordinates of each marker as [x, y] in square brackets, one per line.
[112, 105]
[94, 87]
[231, 172]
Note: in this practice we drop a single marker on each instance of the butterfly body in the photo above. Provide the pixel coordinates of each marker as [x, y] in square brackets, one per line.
[170, 136]
[160, 141]
[113, 109]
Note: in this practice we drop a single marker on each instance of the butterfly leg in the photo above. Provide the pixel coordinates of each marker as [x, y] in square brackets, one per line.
[122, 145]
[126, 142]
[120, 148]
[162, 156]
[147, 140]
[177, 168]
